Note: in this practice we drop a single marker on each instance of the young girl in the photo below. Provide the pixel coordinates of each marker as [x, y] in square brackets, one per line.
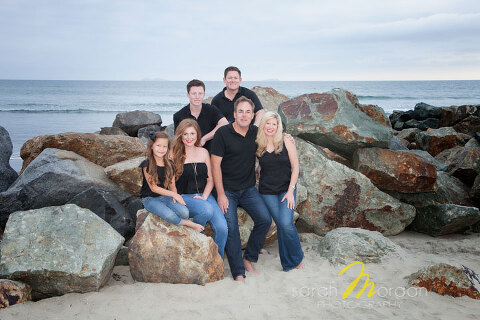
[278, 176]
[159, 194]
[195, 182]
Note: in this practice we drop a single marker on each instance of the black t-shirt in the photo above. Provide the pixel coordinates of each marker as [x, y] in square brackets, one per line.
[225, 105]
[275, 172]
[193, 179]
[207, 119]
[146, 191]
[238, 156]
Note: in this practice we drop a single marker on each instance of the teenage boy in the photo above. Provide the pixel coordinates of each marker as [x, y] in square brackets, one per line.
[209, 118]
[233, 168]
[224, 100]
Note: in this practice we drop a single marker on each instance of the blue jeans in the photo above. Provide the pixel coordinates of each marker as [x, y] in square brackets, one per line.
[289, 248]
[208, 210]
[165, 208]
[250, 200]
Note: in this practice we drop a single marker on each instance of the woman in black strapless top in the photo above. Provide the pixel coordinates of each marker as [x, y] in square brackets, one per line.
[194, 180]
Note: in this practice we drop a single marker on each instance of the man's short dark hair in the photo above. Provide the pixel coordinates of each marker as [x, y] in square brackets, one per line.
[243, 99]
[231, 68]
[195, 83]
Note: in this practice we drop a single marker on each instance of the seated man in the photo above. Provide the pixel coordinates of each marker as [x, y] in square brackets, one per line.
[225, 99]
[209, 118]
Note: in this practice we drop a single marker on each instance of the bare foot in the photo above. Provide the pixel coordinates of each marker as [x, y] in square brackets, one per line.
[240, 279]
[193, 225]
[300, 266]
[249, 267]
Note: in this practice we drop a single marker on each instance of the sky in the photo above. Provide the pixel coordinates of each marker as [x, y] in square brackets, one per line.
[285, 40]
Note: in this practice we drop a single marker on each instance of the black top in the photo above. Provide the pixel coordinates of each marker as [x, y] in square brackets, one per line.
[207, 119]
[146, 191]
[238, 153]
[275, 172]
[193, 179]
[225, 105]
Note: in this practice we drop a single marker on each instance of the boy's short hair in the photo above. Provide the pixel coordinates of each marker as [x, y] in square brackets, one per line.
[243, 99]
[195, 83]
[231, 68]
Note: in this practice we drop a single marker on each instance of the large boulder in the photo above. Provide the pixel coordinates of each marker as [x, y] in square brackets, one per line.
[436, 140]
[144, 133]
[112, 131]
[469, 125]
[131, 121]
[103, 150]
[421, 124]
[52, 179]
[475, 191]
[58, 250]
[163, 252]
[347, 245]
[269, 97]
[430, 159]
[7, 174]
[454, 114]
[423, 111]
[13, 292]
[450, 190]
[408, 134]
[445, 279]
[337, 121]
[442, 219]
[395, 170]
[465, 165]
[127, 175]
[341, 197]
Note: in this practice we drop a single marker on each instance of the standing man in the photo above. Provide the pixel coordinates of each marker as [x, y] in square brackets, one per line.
[233, 169]
[224, 100]
[209, 118]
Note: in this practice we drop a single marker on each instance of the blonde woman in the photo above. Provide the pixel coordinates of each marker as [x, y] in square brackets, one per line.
[278, 176]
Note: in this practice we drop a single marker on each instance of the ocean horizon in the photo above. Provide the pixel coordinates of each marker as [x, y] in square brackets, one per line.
[30, 108]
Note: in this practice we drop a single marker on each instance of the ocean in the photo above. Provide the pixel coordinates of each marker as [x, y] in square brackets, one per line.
[29, 108]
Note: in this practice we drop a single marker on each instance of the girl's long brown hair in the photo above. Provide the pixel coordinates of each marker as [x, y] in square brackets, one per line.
[178, 148]
[152, 164]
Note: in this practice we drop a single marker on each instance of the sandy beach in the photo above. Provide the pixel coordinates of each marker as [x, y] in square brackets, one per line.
[312, 293]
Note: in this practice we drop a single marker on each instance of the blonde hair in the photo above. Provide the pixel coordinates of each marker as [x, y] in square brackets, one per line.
[152, 164]
[262, 138]
[178, 148]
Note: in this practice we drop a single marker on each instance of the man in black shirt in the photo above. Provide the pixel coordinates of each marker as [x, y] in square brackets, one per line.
[209, 118]
[225, 99]
[233, 169]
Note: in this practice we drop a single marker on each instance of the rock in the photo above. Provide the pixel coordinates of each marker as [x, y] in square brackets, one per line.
[145, 131]
[397, 145]
[436, 140]
[447, 155]
[398, 125]
[442, 219]
[341, 197]
[13, 292]
[170, 131]
[107, 207]
[476, 227]
[347, 245]
[122, 257]
[335, 157]
[422, 124]
[409, 134]
[310, 238]
[132, 205]
[7, 174]
[111, 131]
[477, 136]
[395, 116]
[127, 175]
[131, 121]
[450, 190]
[465, 165]
[395, 170]
[337, 121]
[454, 114]
[269, 97]
[302, 194]
[424, 111]
[430, 159]
[163, 252]
[52, 179]
[475, 191]
[445, 279]
[100, 149]
[58, 250]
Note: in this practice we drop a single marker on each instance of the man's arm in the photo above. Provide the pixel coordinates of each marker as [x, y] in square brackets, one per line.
[222, 199]
[209, 136]
[258, 117]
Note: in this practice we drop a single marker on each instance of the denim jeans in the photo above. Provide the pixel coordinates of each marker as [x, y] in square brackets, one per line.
[289, 248]
[165, 208]
[208, 210]
[250, 200]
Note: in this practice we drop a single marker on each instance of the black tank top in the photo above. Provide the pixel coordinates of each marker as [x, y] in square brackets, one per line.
[146, 191]
[275, 172]
[193, 179]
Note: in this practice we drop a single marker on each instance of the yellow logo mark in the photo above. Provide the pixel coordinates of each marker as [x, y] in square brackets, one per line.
[352, 285]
